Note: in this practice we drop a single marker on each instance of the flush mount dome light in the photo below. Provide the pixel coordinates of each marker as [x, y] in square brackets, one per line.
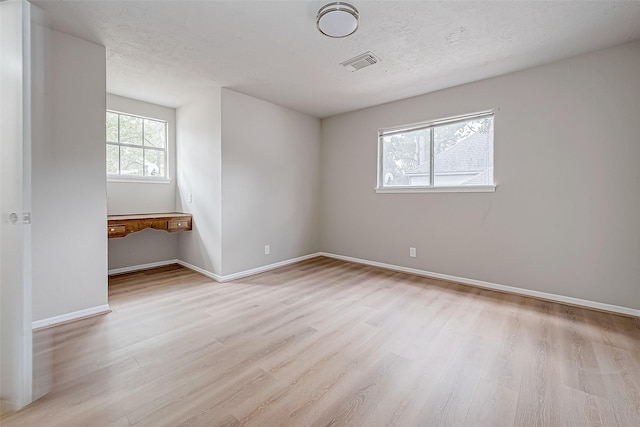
[337, 19]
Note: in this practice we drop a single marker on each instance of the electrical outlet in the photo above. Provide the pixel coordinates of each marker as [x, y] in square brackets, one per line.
[190, 198]
[267, 250]
[412, 252]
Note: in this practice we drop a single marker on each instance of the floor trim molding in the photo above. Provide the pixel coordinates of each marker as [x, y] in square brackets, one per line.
[495, 287]
[139, 267]
[202, 271]
[70, 317]
[246, 273]
[462, 280]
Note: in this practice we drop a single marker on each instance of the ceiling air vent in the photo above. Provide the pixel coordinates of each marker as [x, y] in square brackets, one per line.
[360, 61]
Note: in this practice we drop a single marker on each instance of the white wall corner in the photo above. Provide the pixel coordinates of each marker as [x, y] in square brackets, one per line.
[202, 271]
[247, 273]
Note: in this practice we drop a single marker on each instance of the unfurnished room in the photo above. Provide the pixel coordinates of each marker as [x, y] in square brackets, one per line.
[315, 213]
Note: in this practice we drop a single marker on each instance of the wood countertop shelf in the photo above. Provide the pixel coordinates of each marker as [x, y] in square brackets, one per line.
[123, 225]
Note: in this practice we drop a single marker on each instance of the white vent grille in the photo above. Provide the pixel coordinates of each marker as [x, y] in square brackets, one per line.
[361, 61]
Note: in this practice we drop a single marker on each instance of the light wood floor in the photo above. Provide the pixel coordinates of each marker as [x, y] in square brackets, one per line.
[329, 343]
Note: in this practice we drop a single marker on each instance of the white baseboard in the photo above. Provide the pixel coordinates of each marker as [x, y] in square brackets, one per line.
[463, 280]
[264, 268]
[246, 273]
[75, 315]
[202, 271]
[494, 286]
[141, 267]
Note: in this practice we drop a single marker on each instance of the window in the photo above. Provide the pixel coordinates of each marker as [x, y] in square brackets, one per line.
[453, 154]
[136, 147]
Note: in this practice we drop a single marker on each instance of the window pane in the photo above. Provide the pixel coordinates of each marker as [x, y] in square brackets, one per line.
[112, 159]
[464, 153]
[130, 130]
[154, 133]
[131, 161]
[112, 127]
[141, 161]
[405, 158]
[154, 163]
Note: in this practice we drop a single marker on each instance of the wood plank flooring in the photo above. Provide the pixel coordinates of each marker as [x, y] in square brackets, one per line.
[330, 343]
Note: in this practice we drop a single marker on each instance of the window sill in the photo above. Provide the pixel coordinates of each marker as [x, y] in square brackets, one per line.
[139, 180]
[465, 189]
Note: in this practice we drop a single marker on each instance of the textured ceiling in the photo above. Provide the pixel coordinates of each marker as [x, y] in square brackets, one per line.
[166, 51]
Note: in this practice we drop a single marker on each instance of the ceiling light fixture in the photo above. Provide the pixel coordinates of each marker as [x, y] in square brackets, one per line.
[337, 19]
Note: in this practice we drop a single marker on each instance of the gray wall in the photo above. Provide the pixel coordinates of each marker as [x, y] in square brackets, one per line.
[199, 173]
[69, 206]
[270, 182]
[150, 245]
[564, 218]
[144, 247]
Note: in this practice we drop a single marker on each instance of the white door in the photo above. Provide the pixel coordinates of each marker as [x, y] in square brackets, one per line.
[15, 285]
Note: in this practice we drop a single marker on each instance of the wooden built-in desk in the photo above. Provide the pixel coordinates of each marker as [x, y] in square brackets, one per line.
[122, 225]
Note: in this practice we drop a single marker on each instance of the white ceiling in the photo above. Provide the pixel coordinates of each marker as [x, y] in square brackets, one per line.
[166, 52]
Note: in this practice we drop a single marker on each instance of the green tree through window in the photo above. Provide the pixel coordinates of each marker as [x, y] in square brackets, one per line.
[136, 146]
[460, 152]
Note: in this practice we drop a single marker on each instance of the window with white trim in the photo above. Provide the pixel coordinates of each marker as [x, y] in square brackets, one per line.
[136, 147]
[452, 154]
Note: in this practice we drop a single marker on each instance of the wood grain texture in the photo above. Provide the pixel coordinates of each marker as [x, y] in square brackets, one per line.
[123, 225]
[330, 343]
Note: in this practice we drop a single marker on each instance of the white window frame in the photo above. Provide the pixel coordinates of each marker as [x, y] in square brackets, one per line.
[381, 188]
[141, 179]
